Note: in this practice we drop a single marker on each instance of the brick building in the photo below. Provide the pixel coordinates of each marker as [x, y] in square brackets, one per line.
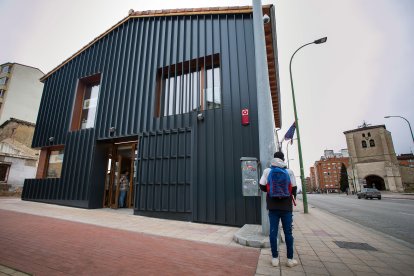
[326, 172]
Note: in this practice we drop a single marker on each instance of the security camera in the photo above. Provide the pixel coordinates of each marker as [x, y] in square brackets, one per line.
[266, 19]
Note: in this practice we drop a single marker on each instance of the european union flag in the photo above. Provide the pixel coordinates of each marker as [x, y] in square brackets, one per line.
[289, 134]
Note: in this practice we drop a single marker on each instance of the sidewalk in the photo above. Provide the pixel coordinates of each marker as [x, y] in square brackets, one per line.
[166, 247]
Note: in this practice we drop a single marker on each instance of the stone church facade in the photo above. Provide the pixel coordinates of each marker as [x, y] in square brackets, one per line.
[373, 162]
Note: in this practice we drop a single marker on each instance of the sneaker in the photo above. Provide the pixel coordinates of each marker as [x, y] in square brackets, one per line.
[275, 261]
[291, 263]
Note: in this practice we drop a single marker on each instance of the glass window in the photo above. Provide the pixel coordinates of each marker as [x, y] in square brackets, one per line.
[371, 143]
[86, 101]
[369, 134]
[364, 144]
[189, 86]
[90, 101]
[2, 92]
[3, 81]
[363, 134]
[54, 165]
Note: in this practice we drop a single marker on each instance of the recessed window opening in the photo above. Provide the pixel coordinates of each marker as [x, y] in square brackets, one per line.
[364, 144]
[54, 163]
[86, 99]
[188, 86]
[4, 172]
[371, 143]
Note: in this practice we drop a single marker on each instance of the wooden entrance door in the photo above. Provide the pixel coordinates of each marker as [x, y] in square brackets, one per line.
[121, 159]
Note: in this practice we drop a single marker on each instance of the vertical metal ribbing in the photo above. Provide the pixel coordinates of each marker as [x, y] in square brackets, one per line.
[52, 109]
[229, 208]
[126, 51]
[102, 60]
[126, 119]
[105, 84]
[212, 174]
[153, 88]
[137, 73]
[113, 93]
[140, 92]
[119, 80]
[146, 115]
[222, 192]
[47, 127]
[181, 57]
[67, 171]
[87, 155]
[40, 121]
[175, 62]
[168, 74]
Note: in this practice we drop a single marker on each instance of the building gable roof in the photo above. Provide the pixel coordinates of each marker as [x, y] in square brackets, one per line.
[270, 40]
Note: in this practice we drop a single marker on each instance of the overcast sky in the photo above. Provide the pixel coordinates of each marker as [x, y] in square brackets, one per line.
[364, 72]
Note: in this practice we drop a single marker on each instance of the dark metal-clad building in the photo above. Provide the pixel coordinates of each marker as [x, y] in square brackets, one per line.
[152, 109]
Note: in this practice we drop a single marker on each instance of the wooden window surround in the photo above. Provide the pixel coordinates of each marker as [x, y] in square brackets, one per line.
[44, 160]
[181, 87]
[78, 109]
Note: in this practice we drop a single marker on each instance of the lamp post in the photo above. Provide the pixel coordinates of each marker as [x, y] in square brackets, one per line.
[302, 175]
[412, 136]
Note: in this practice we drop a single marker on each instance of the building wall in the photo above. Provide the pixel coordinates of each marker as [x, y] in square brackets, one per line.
[21, 132]
[328, 173]
[23, 95]
[128, 59]
[407, 175]
[20, 169]
[379, 160]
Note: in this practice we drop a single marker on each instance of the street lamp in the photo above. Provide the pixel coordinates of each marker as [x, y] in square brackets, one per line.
[302, 174]
[412, 136]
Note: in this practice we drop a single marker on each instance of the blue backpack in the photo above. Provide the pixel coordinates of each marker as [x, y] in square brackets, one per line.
[279, 184]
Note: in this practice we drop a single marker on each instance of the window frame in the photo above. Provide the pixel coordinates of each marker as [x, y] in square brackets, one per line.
[173, 71]
[364, 144]
[82, 85]
[44, 158]
[50, 150]
[6, 177]
[371, 143]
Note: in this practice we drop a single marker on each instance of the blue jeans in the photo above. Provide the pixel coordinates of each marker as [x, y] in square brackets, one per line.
[122, 195]
[287, 218]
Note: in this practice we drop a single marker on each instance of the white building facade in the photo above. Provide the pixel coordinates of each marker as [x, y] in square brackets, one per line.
[20, 92]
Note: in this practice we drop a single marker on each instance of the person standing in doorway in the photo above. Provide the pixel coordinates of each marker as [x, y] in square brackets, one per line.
[279, 183]
[123, 189]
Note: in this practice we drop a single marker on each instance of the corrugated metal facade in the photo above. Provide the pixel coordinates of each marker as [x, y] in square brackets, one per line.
[187, 168]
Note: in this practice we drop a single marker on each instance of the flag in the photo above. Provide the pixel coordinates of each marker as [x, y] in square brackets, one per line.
[289, 134]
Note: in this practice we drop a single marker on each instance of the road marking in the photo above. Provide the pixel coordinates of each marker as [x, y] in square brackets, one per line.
[407, 214]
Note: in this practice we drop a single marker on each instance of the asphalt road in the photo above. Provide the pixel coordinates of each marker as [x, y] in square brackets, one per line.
[394, 217]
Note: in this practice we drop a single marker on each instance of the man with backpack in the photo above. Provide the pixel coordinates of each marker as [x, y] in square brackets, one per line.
[280, 185]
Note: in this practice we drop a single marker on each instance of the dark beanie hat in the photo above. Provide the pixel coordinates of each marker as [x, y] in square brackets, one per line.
[279, 155]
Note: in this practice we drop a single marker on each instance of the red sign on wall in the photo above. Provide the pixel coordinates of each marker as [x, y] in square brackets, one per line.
[245, 117]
